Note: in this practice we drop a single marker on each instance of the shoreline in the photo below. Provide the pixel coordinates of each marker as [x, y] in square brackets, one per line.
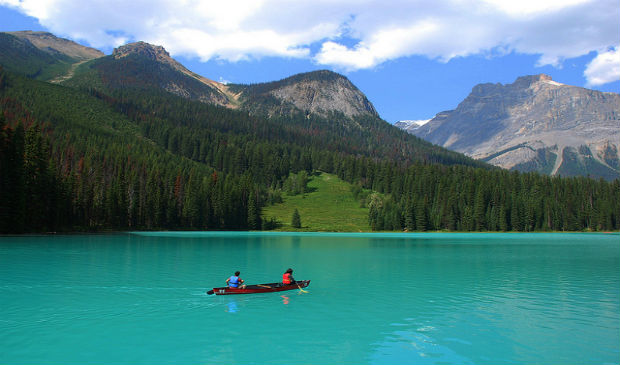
[277, 233]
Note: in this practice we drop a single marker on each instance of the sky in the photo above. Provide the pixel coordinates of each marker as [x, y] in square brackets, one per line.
[412, 58]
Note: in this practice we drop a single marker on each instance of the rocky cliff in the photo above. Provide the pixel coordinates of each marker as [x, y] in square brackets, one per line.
[534, 124]
[319, 92]
[324, 91]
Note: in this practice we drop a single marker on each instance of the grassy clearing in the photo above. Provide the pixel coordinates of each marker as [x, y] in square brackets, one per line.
[329, 206]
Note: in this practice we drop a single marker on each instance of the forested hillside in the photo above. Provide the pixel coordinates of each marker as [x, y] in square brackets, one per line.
[69, 161]
[21, 56]
[433, 197]
[112, 148]
[140, 84]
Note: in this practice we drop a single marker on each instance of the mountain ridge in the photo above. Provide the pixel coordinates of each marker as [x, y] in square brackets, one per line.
[159, 54]
[42, 55]
[326, 94]
[50, 43]
[322, 93]
[532, 125]
[133, 143]
[317, 92]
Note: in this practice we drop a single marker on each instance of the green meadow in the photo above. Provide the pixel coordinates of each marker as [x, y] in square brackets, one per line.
[329, 205]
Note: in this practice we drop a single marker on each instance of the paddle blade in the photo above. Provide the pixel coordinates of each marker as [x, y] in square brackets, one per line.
[210, 292]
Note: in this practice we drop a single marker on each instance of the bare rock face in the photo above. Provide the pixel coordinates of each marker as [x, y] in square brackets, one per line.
[50, 43]
[318, 92]
[325, 91]
[534, 124]
[148, 51]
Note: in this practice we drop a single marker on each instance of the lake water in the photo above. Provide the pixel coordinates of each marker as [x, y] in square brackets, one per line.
[374, 299]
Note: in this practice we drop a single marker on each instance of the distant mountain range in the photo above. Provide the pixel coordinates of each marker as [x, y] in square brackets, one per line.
[135, 140]
[46, 57]
[533, 124]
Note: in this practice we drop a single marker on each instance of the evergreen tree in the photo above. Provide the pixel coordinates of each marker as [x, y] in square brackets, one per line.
[296, 219]
[254, 221]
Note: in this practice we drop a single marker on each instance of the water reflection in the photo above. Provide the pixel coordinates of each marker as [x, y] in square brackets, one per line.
[232, 307]
[285, 299]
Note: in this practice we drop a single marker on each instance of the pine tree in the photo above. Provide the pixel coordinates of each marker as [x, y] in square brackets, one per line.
[420, 214]
[296, 220]
[409, 216]
[479, 210]
[254, 214]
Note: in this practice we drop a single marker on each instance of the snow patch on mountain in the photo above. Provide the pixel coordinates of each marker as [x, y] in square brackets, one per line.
[410, 125]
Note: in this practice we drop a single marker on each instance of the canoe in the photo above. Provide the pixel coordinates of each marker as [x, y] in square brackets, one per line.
[259, 288]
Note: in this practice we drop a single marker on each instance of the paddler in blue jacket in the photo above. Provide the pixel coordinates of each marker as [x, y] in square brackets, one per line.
[235, 281]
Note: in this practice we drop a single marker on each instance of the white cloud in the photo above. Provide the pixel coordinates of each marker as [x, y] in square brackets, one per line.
[605, 68]
[530, 7]
[347, 34]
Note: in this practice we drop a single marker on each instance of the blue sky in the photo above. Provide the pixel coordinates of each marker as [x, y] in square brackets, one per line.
[412, 58]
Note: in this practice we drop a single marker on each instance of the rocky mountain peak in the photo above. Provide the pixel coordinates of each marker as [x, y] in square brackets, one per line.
[522, 83]
[527, 81]
[321, 92]
[536, 124]
[320, 75]
[147, 50]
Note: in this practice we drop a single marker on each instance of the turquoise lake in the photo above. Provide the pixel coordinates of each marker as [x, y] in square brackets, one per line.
[139, 298]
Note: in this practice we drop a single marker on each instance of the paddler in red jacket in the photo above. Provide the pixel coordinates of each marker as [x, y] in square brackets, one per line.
[287, 277]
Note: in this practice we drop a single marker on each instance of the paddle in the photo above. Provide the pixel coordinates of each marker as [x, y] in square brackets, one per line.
[264, 286]
[303, 291]
[210, 292]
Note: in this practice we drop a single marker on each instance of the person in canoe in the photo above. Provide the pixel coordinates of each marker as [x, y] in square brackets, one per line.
[287, 277]
[235, 281]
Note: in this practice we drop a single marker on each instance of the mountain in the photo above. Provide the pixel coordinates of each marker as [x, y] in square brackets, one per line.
[410, 125]
[314, 93]
[319, 103]
[134, 140]
[42, 55]
[534, 124]
[142, 66]
[49, 43]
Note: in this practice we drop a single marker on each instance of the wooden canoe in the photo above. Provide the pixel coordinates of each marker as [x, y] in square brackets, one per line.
[259, 288]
